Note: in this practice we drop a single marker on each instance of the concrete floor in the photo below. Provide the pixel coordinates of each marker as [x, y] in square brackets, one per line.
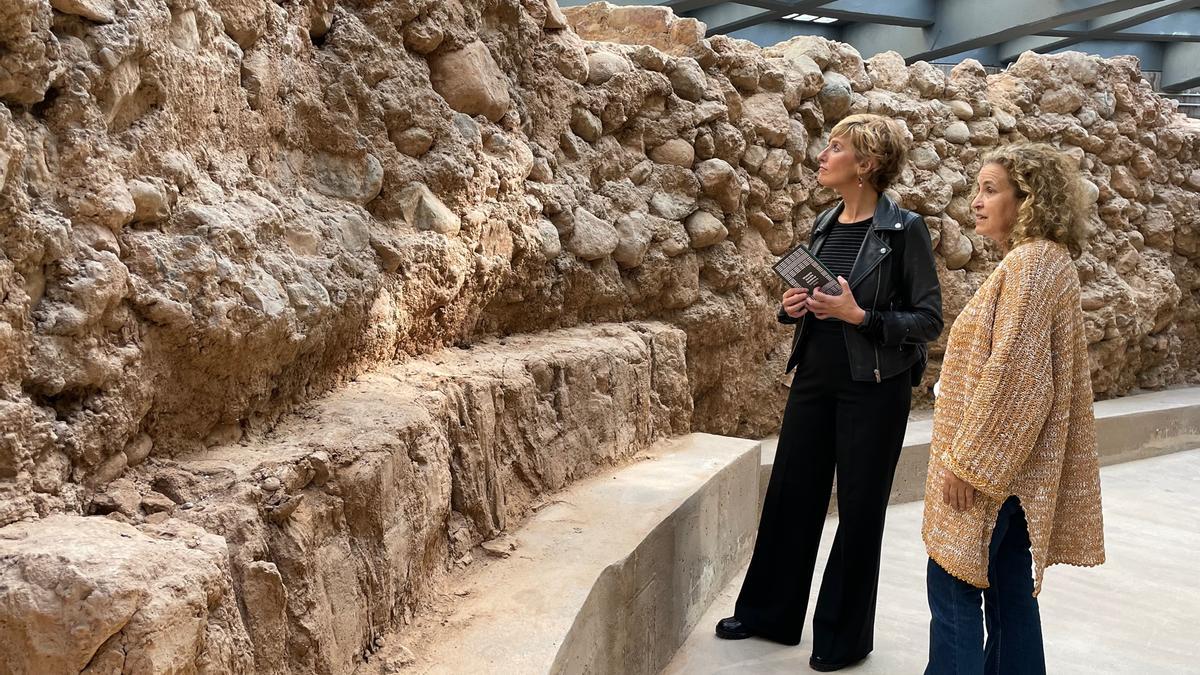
[1139, 613]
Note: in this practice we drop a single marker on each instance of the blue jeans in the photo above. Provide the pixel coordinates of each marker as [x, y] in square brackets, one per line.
[1014, 626]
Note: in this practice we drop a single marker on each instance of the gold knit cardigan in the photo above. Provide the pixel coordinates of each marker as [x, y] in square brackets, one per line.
[1014, 417]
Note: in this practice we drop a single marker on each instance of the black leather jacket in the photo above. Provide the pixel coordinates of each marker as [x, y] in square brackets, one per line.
[894, 279]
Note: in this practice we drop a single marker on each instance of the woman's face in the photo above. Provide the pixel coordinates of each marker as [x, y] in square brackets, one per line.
[838, 165]
[995, 204]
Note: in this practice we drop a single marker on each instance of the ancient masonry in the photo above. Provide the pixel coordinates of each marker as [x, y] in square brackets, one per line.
[301, 301]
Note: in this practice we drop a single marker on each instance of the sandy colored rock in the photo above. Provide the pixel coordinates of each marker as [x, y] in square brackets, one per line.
[634, 236]
[888, 71]
[424, 211]
[586, 125]
[100, 11]
[955, 248]
[962, 110]
[414, 142]
[720, 181]
[602, 66]
[769, 117]
[705, 229]
[927, 80]
[555, 19]
[654, 26]
[677, 152]
[470, 81]
[815, 48]
[83, 591]
[592, 237]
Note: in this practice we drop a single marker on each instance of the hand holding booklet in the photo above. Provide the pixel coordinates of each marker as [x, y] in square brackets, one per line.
[801, 269]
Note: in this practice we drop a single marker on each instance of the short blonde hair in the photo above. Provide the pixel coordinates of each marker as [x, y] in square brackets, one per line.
[1051, 202]
[879, 138]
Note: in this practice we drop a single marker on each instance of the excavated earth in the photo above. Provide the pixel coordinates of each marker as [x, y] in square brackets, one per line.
[300, 302]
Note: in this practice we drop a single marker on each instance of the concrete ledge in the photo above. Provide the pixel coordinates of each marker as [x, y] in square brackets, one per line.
[612, 575]
[1128, 428]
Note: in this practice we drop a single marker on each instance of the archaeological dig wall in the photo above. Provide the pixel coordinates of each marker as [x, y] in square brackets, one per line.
[302, 301]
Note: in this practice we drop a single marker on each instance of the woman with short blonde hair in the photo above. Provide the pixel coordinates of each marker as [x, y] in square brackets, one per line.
[1013, 482]
[856, 352]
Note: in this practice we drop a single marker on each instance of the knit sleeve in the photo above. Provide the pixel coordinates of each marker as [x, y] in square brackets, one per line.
[1011, 399]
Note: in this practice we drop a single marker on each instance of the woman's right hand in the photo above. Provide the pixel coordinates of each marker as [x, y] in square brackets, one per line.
[795, 302]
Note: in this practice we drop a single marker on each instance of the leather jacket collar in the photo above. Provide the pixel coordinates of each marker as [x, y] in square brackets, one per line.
[887, 217]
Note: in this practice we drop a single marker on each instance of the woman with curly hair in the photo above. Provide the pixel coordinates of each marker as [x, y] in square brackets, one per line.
[1014, 481]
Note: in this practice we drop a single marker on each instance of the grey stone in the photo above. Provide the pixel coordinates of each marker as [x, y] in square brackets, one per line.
[551, 244]
[688, 80]
[835, 96]
[354, 179]
[957, 133]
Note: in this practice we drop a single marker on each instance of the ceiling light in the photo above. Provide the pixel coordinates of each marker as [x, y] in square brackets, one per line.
[824, 19]
[805, 17]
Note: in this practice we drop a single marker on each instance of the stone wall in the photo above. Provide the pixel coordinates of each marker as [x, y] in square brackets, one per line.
[214, 211]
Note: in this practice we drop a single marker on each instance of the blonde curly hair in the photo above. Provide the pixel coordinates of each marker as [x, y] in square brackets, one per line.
[1051, 202]
[879, 138]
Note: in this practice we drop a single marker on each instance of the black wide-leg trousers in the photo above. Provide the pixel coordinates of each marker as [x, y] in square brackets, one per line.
[830, 422]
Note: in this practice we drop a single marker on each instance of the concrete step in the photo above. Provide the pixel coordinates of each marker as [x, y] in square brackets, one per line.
[609, 577]
[1128, 428]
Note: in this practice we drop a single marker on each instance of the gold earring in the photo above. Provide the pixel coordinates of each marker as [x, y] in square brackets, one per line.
[860, 183]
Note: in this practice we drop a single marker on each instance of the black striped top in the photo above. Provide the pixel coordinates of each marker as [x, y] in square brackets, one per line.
[841, 246]
[838, 253]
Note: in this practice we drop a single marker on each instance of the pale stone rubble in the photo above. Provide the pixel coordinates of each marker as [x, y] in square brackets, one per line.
[214, 212]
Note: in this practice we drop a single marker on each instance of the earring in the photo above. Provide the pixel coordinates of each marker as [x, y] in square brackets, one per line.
[860, 183]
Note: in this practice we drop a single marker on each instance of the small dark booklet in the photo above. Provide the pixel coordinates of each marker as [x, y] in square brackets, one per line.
[801, 269]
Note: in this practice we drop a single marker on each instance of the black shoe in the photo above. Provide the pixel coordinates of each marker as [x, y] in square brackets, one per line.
[825, 666]
[730, 628]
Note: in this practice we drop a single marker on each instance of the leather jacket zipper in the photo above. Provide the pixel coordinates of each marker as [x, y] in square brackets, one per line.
[875, 345]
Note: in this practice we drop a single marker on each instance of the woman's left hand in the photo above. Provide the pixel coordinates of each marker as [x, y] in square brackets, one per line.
[843, 306]
[956, 492]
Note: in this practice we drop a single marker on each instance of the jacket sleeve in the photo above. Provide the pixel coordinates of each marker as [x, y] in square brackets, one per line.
[1012, 397]
[919, 318]
[784, 317]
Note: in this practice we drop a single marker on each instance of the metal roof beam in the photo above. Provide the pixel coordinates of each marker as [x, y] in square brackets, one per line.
[732, 16]
[1184, 26]
[916, 13]
[1108, 27]
[963, 25]
[1181, 66]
